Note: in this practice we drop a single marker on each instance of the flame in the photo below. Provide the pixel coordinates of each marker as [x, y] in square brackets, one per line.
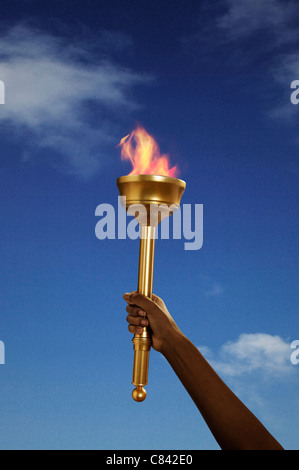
[144, 153]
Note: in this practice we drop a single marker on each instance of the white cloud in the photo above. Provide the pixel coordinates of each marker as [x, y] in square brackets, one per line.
[48, 85]
[258, 369]
[251, 19]
[258, 352]
[211, 287]
[215, 290]
[246, 17]
[287, 70]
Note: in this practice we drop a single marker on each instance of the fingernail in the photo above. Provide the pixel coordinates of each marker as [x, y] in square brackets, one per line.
[144, 322]
[141, 313]
[126, 296]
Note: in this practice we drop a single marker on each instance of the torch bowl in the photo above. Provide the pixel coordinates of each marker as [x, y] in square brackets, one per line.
[151, 193]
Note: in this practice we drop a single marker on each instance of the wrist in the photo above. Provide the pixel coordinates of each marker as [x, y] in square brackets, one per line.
[172, 342]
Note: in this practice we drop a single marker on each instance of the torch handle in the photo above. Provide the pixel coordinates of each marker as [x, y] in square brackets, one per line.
[142, 342]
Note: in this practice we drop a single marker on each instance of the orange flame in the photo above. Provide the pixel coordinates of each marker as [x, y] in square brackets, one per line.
[144, 153]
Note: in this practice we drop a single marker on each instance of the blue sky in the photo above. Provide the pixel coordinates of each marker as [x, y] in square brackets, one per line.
[211, 81]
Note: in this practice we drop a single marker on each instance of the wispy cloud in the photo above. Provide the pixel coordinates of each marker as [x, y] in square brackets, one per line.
[246, 17]
[211, 287]
[273, 26]
[258, 369]
[260, 34]
[51, 87]
[214, 290]
[258, 352]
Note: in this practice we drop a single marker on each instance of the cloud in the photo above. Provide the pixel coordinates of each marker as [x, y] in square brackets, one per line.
[254, 20]
[255, 33]
[271, 26]
[247, 17]
[215, 290]
[211, 287]
[66, 96]
[258, 369]
[250, 353]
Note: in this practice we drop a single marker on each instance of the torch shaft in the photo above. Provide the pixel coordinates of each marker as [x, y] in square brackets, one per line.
[142, 342]
[146, 261]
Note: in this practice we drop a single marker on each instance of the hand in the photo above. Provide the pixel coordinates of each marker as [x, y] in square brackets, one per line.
[146, 312]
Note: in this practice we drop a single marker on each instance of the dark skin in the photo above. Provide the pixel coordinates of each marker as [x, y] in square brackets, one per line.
[232, 424]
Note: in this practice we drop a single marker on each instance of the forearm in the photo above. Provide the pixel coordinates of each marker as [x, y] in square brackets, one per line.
[232, 424]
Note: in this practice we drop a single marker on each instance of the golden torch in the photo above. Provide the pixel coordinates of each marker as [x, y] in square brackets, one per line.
[152, 193]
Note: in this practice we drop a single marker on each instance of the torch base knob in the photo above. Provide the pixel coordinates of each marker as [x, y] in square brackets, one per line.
[139, 394]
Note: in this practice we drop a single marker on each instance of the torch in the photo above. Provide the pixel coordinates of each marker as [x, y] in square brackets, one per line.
[150, 198]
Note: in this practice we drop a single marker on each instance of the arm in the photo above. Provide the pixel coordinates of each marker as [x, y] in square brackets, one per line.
[231, 423]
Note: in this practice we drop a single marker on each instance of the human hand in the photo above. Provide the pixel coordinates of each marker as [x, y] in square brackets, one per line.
[145, 312]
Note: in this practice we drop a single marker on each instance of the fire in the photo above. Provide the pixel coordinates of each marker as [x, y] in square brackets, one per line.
[144, 153]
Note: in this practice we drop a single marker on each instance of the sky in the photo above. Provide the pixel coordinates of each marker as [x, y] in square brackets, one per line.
[211, 81]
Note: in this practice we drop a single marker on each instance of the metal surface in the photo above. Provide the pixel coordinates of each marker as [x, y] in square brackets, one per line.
[142, 343]
[151, 189]
[150, 192]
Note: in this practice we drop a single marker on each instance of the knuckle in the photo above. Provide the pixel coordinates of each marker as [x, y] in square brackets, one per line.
[133, 320]
[134, 311]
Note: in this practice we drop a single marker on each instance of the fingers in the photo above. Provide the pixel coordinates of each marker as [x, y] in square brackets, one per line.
[134, 299]
[135, 330]
[135, 311]
[137, 316]
[136, 319]
[139, 308]
[136, 324]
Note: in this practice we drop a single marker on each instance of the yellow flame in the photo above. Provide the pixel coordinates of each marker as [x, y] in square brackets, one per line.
[144, 153]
